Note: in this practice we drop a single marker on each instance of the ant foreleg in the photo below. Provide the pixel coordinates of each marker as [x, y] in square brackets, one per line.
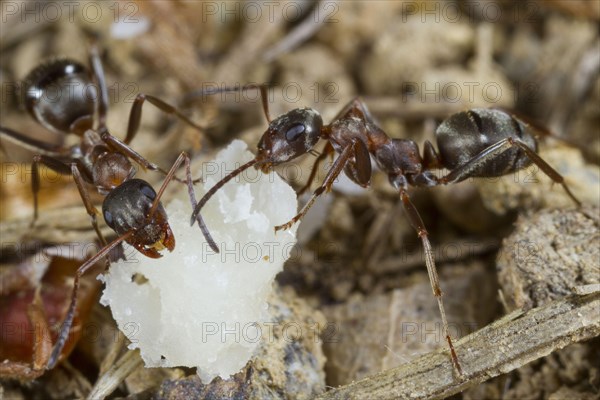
[168, 178]
[417, 224]
[68, 321]
[135, 115]
[326, 151]
[334, 172]
[116, 145]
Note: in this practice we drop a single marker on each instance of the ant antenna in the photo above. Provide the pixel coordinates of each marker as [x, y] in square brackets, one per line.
[210, 193]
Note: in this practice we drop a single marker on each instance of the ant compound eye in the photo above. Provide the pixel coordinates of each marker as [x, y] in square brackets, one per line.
[148, 191]
[295, 132]
[108, 217]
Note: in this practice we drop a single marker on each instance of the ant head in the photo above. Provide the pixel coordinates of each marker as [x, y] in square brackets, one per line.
[126, 209]
[61, 96]
[289, 136]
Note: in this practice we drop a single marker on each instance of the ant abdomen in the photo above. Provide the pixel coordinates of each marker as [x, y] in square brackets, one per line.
[464, 135]
[61, 96]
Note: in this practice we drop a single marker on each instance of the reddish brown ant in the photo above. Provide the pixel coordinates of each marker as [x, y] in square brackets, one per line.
[131, 207]
[474, 143]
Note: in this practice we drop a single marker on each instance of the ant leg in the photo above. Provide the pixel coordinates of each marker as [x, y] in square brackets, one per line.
[263, 87]
[53, 164]
[417, 224]
[35, 187]
[487, 155]
[34, 145]
[136, 110]
[47, 154]
[169, 177]
[63, 169]
[356, 104]
[541, 131]
[116, 145]
[431, 159]
[98, 72]
[464, 171]
[358, 109]
[87, 202]
[68, 321]
[333, 173]
[135, 114]
[544, 166]
[326, 151]
[265, 101]
[184, 157]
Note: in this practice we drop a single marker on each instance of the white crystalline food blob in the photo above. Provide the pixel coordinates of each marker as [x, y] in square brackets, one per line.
[197, 308]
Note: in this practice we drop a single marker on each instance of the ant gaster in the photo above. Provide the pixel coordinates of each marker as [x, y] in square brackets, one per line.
[474, 143]
[131, 207]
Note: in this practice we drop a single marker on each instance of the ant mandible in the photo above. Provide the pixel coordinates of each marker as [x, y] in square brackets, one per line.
[131, 207]
[474, 143]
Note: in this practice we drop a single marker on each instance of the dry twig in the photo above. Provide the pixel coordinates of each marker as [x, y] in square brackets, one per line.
[109, 381]
[502, 346]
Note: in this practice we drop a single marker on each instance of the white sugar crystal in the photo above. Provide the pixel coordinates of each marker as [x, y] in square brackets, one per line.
[197, 308]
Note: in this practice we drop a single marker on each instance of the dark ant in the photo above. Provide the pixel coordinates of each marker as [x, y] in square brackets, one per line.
[474, 143]
[131, 207]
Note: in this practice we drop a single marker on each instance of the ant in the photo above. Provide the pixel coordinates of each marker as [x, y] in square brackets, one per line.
[473, 143]
[131, 207]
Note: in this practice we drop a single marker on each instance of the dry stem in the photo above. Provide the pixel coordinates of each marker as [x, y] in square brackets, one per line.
[500, 347]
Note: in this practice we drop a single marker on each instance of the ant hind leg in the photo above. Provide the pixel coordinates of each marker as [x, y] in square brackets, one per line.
[68, 321]
[489, 154]
[135, 114]
[419, 226]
